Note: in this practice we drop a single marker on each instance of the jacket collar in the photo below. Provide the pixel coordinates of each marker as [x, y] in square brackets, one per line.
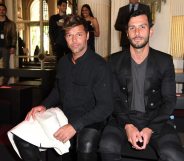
[126, 66]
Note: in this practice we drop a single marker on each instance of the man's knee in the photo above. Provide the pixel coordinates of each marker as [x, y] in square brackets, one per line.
[110, 145]
[88, 140]
[27, 151]
[170, 148]
[20, 142]
[111, 142]
[171, 152]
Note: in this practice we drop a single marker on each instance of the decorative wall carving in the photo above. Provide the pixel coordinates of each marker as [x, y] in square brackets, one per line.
[155, 6]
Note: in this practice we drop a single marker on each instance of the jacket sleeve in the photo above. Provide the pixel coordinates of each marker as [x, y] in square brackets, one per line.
[120, 23]
[53, 98]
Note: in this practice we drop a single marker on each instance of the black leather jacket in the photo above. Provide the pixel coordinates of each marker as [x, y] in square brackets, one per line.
[10, 33]
[159, 88]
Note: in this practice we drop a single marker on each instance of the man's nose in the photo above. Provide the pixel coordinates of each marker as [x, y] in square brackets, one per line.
[137, 30]
[74, 37]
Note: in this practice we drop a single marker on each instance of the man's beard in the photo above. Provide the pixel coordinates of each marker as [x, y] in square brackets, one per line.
[139, 46]
[77, 50]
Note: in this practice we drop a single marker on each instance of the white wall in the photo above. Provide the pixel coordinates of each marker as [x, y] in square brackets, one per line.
[115, 35]
[161, 36]
[10, 9]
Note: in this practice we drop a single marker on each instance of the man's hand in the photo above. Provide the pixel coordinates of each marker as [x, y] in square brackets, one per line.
[33, 111]
[65, 133]
[146, 135]
[133, 135]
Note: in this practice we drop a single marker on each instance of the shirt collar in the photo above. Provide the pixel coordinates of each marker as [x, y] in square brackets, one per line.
[135, 6]
[82, 58]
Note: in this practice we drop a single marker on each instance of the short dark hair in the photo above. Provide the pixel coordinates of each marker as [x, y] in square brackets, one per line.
[138, 13]
[3, 5]
[59, 2]
[73, 20]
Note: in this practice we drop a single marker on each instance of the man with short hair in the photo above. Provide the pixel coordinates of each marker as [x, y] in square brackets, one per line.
[144, 98]
[82, 91]
[56, 32]
[123, 15]
[8, 39]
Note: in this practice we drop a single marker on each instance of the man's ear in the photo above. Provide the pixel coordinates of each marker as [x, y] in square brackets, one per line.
[151, 31]
[87, 35]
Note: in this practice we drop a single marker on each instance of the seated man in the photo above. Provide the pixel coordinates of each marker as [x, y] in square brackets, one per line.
[144, 97]
[83, 92]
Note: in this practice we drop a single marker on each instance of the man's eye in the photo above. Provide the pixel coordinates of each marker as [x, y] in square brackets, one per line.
[79, 34]
[131, 28]
[68, 35]
[143, 27]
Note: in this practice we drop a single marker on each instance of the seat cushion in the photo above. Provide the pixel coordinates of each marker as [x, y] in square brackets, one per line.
[5, 111]
[3, 133]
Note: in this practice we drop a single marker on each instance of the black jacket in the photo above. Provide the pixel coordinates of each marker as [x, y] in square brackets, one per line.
[159, 88]
[10, 34]
[83, 90]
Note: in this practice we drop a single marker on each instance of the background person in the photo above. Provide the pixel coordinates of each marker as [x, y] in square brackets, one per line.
[21, 47]
[23, 51]
[93, 26]
[123, 15]
[8, 39]
[56, 32]
[144, 98]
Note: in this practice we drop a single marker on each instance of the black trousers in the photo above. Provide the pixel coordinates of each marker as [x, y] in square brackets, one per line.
[83, 147]
[167, 144]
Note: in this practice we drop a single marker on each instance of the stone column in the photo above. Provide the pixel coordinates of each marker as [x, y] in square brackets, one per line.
[10, 9]
[52, 5]
[101, 10]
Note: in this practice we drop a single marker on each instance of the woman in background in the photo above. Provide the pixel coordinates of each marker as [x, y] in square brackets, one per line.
[93, 25]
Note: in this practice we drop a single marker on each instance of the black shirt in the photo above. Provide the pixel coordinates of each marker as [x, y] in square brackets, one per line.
[83, 90]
